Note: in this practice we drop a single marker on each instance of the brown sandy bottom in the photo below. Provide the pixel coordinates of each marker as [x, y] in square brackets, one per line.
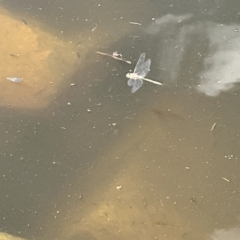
[41, 59]
[124, 205]
[128, 210]
[155, 183]
[128, 196]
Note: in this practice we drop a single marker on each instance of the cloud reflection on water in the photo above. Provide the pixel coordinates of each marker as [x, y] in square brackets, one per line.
[219, 69]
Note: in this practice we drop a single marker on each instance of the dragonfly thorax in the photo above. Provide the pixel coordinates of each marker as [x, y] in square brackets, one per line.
[132, 76]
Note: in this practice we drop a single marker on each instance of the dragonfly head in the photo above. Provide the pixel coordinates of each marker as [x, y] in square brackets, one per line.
[128, 75]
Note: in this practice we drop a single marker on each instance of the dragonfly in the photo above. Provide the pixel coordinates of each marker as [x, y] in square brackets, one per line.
[140, 71]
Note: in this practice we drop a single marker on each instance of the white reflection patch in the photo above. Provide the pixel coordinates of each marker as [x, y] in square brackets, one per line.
[173, 36]
[222, 66]
[165, 22]
[222, 234]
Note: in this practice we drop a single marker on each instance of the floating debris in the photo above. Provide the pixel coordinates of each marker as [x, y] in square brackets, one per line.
[213, 126]
[135, 23]
[24, 21]
[15, 79]
[94, 28]
[118, 187]
[225, 179]
[115, 55]
[14, 55]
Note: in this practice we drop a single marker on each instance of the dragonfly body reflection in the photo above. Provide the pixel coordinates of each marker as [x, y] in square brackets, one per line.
[140, 71]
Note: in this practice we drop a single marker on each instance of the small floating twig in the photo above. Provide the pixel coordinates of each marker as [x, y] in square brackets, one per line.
[114, 55]
[213, 126]
[135, 23]
[225, 179]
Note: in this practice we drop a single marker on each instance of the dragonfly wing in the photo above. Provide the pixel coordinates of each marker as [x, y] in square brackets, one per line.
[140, 62]
[130, 82]
[145, 69]
[142, 68]
[135, 83]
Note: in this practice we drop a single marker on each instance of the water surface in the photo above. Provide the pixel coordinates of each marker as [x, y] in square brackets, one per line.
[97, 162]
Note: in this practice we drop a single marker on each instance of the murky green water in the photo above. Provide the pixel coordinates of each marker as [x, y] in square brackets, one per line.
[101, 163]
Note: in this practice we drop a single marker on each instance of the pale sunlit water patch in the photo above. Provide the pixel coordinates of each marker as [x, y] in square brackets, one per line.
[5, 236]
[40, 59]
